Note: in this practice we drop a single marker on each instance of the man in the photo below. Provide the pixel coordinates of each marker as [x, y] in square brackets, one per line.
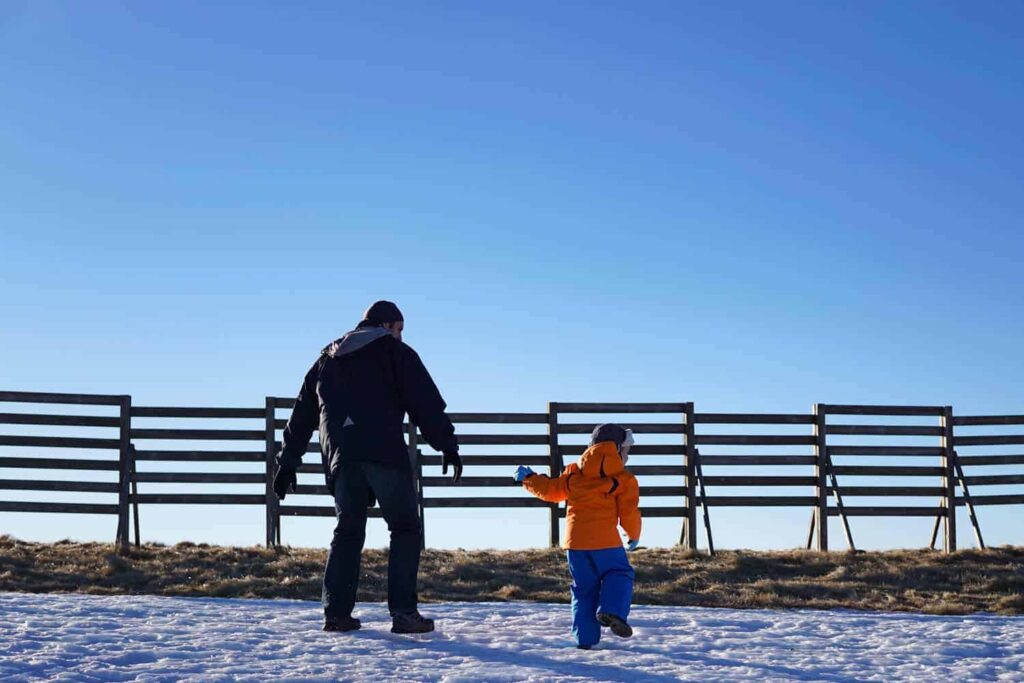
[357, 394]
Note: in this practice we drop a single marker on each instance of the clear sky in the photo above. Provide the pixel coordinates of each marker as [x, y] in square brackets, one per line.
[753, 206]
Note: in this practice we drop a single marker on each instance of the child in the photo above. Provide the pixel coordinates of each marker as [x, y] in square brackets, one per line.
[601, 494]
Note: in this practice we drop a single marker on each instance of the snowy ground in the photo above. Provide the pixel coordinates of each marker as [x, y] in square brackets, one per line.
[81, 637]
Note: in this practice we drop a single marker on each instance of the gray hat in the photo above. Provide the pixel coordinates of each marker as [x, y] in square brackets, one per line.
[608, 432]
[382, 312]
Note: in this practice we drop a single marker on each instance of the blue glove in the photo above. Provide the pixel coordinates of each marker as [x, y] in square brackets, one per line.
[632, 545]
[522, 473]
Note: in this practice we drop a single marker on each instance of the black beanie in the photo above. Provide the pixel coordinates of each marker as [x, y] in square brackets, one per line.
[382, 312]
[608, 432]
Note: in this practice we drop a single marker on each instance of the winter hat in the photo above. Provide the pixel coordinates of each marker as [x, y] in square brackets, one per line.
[382, 312]
[608, 432]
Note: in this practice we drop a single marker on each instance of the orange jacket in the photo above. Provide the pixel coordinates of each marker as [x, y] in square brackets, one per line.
[601, 494]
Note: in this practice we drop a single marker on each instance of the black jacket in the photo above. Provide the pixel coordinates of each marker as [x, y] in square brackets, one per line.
[357, 394]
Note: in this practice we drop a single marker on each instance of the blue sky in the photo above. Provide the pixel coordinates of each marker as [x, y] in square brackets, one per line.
[751, 206]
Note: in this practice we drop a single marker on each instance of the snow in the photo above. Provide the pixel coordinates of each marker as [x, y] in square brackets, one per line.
[99, 638]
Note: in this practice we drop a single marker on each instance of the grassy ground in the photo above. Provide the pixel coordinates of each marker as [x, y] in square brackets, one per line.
[910, 580]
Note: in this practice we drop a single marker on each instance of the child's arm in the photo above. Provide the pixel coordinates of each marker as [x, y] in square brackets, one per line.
[548, 489]
[627, 500]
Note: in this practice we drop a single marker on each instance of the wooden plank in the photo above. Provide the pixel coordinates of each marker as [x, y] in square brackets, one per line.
[995, 440]
[663, 491]
[995, 480]
[287, 403]
[887, 471]
[470, 481]
[756, 460]
[897, 491]
[502, 439]
[753, 418]
[621, 407]
[652, 512]
[484, 503]
[555, 464]
[70, 399]
[59, 442]
[490, 460]
[995, 500]
[833, 409]
[888, 511]
[638, 428]
[906, 451]
[165, 411]
[124, 468]
[58, 464]
[200, 478]
[883, 430]
[498, 418]
[199, 499]
[59, 420]
[753, 440]
[762, 501]
[987, 420]
[48, 485]
[200, 456]
[821, 469]
[635, 450]
[319, 511]
[272, 517]
[199, 434]
[758, 481]
[72, 508]
[983, 460]
[949, 478]
[310, 468]
[311, 490]
[688, 533]
[658, 470]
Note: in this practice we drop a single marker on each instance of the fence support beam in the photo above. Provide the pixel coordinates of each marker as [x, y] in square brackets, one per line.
[949, 479]
[820, 476]
[273, 516]
[124, 469]
[689, 531]
[556, 469]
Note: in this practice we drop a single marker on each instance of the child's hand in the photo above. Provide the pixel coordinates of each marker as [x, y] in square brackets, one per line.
[632, 545]
[522, 473]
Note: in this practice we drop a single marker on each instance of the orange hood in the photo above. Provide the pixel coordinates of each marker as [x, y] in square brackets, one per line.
[601, 460]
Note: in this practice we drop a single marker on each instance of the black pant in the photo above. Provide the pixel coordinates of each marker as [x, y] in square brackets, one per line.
[396, 494]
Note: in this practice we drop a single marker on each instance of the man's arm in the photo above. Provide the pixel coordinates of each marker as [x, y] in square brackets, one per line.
[422, 400]
[304, 421]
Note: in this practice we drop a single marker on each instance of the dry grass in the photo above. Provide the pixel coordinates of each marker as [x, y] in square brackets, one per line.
[909, 580]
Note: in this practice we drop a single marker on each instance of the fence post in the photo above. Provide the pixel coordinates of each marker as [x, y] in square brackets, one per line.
[273, 515]
[689, 539]
[820, 475]
[124, 467]
[949, 479]
[555, 463]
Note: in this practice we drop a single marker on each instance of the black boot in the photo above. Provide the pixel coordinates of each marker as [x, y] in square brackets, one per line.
[411, 622]
[618, 625]
[341, 624]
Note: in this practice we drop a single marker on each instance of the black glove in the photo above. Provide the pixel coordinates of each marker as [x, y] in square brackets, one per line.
[284, 480]
[455, 461]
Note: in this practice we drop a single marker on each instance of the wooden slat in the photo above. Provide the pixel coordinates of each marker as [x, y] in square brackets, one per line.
[756, 460]
[49, 485]
[59, 420]
[490, 460]
[883, 491]
[502, 439]
[679, 450]
[987, 420]
[909, 451]
[498, 418]
[753, 418]
[58, 464]
[311, 490]
[994, 440]
[319, 511]
[199, 478]
[753, 440]
[888, 511]
[639, 428]
[197, 499]
[994, 500]
[650, 512]
[58, 442]
[165, 411]
[70, 399]
[831, 409]
[72, 508]
[286, 403]
[310, 468]
[662, 491]
[470, 481]
[886, 471]
[658, 470]
[762, 501]
[883, 430]
[758, 481]
[200, 456]
[981, 460]
[995, 480]
[621, 407]
[484, 503]
[200, 434]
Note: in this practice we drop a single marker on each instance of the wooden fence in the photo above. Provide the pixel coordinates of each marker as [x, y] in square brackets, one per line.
[829, 459]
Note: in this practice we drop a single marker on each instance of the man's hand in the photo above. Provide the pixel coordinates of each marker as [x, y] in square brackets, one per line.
[522, 472]
[455, 461]
[284, 480]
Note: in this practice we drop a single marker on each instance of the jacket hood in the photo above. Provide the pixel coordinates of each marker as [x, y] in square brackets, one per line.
[601, 460]
[354, 340]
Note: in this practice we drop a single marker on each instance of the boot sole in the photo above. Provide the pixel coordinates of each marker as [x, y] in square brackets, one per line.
[407, 632]
[342, 629]
[618, 626]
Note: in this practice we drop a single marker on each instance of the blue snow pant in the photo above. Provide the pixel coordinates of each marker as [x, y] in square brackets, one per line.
[602, 581]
